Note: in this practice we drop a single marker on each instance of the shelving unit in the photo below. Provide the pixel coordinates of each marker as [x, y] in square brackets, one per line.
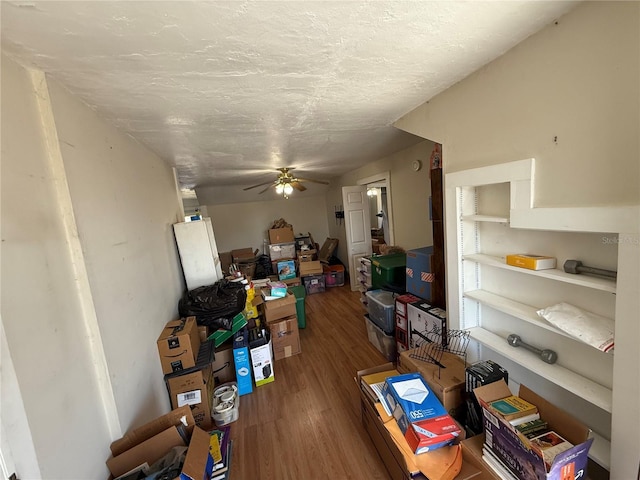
[364, 278]
[491, 213]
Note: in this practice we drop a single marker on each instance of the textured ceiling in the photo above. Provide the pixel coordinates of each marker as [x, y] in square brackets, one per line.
[227, 91]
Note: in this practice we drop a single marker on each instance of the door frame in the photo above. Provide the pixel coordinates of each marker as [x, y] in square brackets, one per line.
[383, 178]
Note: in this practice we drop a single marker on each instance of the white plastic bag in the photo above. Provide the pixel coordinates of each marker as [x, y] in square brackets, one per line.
[588, 327]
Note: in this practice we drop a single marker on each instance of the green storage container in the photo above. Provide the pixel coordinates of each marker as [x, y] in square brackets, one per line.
[389, 271]
[300, 293]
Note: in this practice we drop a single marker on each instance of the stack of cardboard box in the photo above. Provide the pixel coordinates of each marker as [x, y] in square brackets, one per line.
[282, 250]
[281, 320]
[187, 365]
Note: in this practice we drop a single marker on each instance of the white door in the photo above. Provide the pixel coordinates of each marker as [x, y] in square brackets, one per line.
[198, 253]
[358, 228]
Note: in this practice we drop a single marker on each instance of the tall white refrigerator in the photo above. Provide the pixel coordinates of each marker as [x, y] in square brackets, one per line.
[198, 252]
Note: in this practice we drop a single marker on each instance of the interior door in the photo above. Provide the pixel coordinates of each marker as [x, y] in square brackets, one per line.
[357, 226]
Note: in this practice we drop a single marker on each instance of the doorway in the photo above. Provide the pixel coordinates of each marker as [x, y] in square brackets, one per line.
[381, 213]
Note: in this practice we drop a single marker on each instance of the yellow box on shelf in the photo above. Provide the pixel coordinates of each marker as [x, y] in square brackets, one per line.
[532, 262]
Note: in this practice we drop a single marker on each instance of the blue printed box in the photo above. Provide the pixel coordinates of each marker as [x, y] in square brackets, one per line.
[422, 419]
[242, 362]
[420, 272]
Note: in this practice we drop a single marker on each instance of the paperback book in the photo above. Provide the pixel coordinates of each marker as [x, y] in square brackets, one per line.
[533, 428]
[513, 407]
[548, 445]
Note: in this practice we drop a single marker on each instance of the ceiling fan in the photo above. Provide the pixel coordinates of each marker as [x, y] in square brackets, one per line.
[285, 183]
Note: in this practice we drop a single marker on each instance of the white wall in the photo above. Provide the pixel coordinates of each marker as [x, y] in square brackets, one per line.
[410, 193]
[241, 225]
[90, 274]
[569, 81]
[568, 96]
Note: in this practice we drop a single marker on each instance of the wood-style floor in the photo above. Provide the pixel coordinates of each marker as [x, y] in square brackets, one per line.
[306, 424]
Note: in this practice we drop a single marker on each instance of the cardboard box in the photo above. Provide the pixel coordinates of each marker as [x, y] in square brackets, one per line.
[194, 387]
[422, 419]
[223, 369]
[281, 235]
[285, 337]
[179, 416]
[261, 357]
[243, 255]
[149, 451]
[280, 251]
[196, 390]
[292, 282]
[512, 449]
[286, 269]
[242, 362]
[178, 345]
[306, 255]
[198, 463]
[279, 308]
[425, 320]
[310, 268]
[326, 251]
[446, 381]
[226, 259]
[419, 271]
[531, 262]
[203, 333]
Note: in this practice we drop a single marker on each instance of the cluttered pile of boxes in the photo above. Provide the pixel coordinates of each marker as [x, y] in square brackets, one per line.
[452, 420]
[296, 259]
[206, 372]
[412, 334]
[396, 290]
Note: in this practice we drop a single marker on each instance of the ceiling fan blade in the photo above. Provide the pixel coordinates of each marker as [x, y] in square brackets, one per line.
[311, 180]
[259, 185]
[298, 186]
[262, 191]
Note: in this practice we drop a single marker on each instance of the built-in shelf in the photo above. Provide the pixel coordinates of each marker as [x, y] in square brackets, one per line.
[591, 391]
[597, 283]
[600, 450]
[485, 218]
[519, 310]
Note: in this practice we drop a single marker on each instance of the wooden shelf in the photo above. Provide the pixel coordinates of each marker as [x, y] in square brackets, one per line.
[577, 384]
[596, 283]
[485, 218]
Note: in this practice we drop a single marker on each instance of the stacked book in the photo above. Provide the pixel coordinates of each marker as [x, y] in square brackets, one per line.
[220, 449]
[515, 410]
[533, 430]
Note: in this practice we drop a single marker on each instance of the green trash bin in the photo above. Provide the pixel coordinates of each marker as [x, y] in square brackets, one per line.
[299, 292]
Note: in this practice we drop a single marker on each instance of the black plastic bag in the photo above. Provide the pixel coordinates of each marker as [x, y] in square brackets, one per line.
[214, 305]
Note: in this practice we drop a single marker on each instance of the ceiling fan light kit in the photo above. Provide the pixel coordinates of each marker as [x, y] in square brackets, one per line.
[286, 183]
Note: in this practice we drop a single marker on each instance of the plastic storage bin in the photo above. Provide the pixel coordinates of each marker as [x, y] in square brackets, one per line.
[282, 251]
[389, 271]
[381, 306]
[313, 284]
[333, 275]
[385, 344]
[300, 293]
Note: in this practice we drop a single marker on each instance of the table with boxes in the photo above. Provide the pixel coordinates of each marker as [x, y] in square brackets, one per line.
[508, 445]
